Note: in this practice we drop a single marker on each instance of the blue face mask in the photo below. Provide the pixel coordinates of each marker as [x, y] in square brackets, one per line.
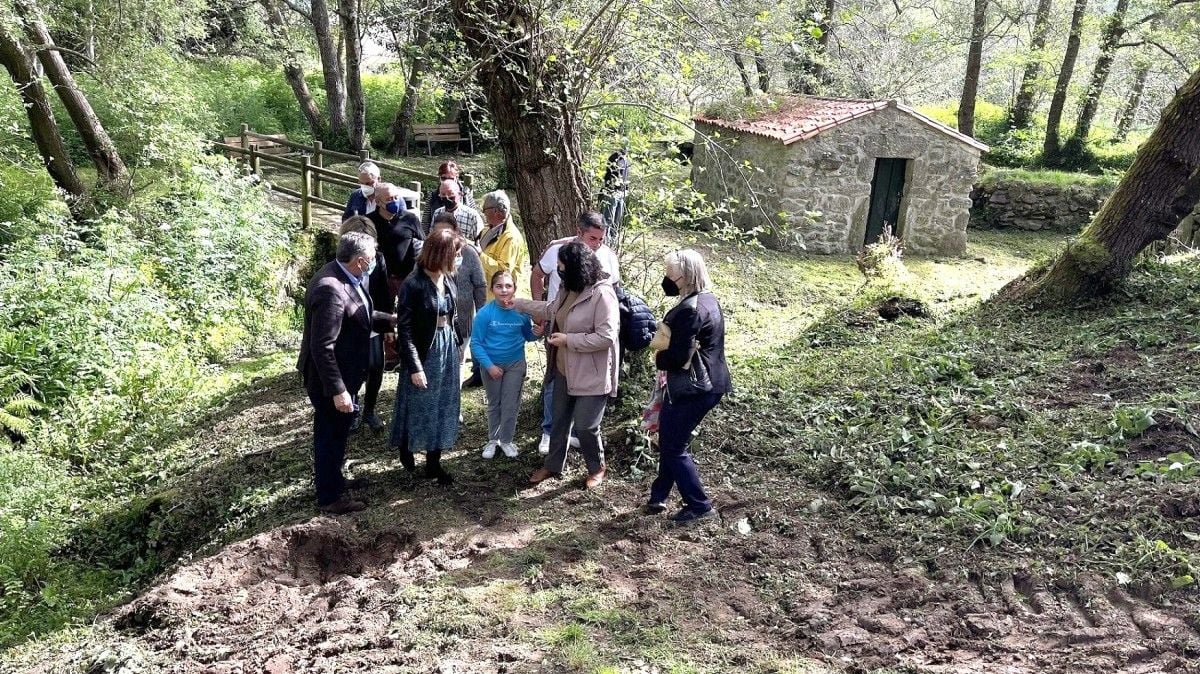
[395, 207]
[370, 269]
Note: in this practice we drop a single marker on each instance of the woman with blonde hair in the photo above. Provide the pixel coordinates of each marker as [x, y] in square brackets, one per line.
[695, 376]
[427, 395]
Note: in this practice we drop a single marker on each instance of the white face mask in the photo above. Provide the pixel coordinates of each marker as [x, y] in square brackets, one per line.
[367, 190]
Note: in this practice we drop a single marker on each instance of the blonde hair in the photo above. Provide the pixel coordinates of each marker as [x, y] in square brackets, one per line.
[692, 268]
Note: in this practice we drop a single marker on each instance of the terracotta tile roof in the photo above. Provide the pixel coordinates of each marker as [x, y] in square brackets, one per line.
[803, 117]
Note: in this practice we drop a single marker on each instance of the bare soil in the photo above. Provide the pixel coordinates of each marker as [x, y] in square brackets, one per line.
[482, 576]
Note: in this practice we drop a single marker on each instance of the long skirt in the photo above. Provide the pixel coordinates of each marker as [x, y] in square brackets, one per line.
[427, 419]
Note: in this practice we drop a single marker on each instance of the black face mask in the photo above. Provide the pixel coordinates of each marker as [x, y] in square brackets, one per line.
[670, 287]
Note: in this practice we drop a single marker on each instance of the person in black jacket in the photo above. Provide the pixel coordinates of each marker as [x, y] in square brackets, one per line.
[383, 300]
[399, 233]
[338, 320]
[427, 395]
[697, 330]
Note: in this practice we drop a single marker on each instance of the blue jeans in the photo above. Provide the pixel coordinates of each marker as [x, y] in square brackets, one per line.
[676, 422]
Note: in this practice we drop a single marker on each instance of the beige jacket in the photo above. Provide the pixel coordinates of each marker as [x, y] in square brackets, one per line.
[592, 327]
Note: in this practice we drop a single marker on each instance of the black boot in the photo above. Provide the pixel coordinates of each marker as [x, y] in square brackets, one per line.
[407, 460]
[434, 470]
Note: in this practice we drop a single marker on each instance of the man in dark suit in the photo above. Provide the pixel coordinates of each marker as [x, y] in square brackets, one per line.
[334, 353]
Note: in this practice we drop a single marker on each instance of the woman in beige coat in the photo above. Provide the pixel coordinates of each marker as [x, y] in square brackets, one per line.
[582, 358]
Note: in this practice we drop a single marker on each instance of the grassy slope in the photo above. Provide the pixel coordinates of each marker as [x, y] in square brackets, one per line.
[986, 439]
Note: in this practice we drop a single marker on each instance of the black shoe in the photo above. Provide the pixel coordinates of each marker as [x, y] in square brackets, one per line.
[688, 516]
[358, 483]
[374, 421]
[655, 508]
[407, 460]
[342, 506]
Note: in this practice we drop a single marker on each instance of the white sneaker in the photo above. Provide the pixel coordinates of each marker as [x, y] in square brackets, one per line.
[489, 450]
[574, 442]
[510, 449]
[544, 445]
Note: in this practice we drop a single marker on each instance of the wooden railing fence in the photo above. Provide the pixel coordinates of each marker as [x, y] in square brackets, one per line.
[308, 161]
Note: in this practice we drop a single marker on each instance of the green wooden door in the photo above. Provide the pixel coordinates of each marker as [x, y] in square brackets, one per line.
[887, 190]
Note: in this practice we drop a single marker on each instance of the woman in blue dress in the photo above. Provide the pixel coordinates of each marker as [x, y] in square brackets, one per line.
[427, 395]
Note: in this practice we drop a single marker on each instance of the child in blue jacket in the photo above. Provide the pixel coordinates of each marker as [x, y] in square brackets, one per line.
[498, 345]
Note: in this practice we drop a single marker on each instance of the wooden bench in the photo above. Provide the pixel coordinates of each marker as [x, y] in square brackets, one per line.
[271, 147]
[440, 133]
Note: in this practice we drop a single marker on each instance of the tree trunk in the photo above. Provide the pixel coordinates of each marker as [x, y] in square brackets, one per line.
[41, 121]
[826, 26]
[1129, 112]
[109, 166]
[408, 105]
[530, 93]
[1050, 147]
[1022, 112]
[747, 82]
[331, 71]
[764, 74]
[1114, 30]
[348, 14]
[304, 98]
[966, 104]
[293, 72]
[1156, 194]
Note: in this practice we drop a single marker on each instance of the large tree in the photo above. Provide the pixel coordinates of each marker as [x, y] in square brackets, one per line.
[318, 15]
[348, 13]
[1114, 30]
[1051, 147]
[43, 126]
[1156, 194]
[1021, 115]
[293, 68]
[110, 167]
[966, 103]
[535, 67]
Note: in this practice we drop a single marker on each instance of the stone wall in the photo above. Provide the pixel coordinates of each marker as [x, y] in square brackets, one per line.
[1021, 205]
[822, 186]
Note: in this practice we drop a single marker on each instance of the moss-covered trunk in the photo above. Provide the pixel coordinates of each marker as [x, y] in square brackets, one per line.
[1160, 189]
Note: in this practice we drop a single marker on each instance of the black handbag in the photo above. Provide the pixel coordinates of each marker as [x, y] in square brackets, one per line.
[693, 379]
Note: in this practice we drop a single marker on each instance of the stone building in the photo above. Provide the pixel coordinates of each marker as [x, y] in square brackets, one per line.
[836, 172]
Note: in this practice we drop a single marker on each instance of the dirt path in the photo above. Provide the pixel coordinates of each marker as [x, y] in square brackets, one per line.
[488, 576]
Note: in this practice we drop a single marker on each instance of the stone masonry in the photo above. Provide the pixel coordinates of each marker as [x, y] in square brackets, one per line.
[819, 189]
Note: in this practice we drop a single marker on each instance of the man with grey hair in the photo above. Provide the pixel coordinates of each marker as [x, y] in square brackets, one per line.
[470, 222]
[362, 200]
[334, 352]
[501, 246]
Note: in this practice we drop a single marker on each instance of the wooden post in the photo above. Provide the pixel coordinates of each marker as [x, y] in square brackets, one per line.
[246, 141]
[319, 162]
[252, 158]
[364, 155]
[468, 180]
[305, 190]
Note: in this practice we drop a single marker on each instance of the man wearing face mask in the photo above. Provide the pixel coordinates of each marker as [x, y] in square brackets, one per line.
[470, 222]
[334, 352]
[362, 200]
[399, 233]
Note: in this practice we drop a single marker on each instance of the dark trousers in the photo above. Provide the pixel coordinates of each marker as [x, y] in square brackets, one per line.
[331, 428]
[676, 422]
[374, 375]
[584, 414]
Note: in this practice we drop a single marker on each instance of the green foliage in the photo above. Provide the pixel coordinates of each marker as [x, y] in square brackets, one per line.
[744, 107]
[26, 197]
[995, 177]
[102, 345]
[242, 90]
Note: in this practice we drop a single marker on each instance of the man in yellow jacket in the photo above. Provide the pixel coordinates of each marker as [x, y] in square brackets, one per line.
[501, 246]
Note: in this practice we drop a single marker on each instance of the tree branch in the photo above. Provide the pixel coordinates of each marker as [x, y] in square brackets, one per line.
[775, 228]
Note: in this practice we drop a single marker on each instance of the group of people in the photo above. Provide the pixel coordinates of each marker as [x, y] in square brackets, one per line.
[422, 294]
